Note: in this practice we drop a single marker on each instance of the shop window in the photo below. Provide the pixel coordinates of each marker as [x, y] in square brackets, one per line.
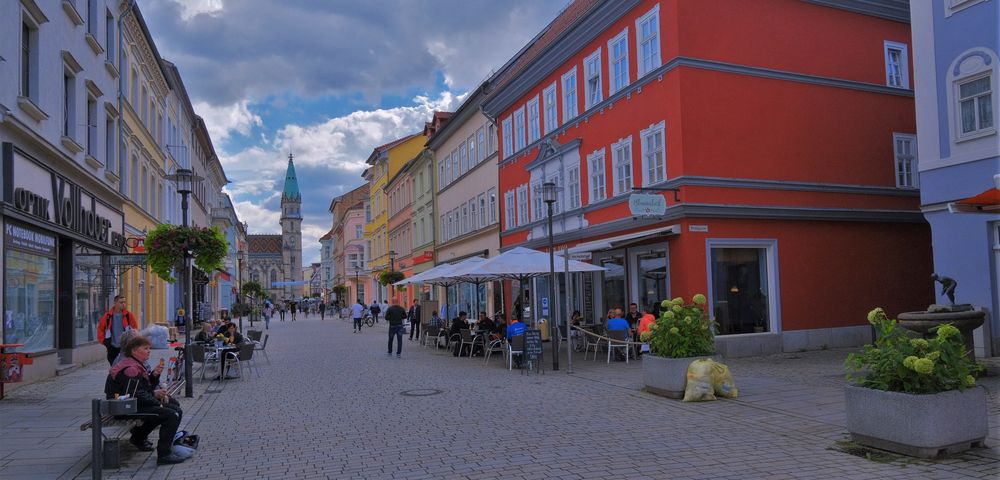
[653, 279]
[87, 306]
[29, 301]
[613, 286]
[741, 291]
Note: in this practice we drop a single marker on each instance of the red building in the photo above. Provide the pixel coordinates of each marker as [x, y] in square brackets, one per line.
[772, 124]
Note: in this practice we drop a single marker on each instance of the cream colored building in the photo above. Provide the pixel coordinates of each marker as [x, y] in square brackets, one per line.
[466, 203]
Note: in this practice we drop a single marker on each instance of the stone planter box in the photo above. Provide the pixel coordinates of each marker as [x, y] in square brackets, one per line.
[667, 377]
[917, 425]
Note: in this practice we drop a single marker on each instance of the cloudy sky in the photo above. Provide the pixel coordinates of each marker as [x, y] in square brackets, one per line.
[328, 80]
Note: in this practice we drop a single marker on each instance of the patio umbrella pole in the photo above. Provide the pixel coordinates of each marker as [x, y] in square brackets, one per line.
[569, 305]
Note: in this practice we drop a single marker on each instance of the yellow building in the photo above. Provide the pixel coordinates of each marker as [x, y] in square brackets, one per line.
[144, 168]
[384, 162]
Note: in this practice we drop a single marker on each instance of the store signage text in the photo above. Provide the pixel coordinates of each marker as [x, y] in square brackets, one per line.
[69, 210]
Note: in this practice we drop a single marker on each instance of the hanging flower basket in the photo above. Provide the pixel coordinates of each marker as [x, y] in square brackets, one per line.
[387, 277]
[167, 244]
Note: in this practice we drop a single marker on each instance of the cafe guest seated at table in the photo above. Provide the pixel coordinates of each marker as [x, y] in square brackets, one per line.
[515, 328]
[206, 334]
[232, 336]
[485, 324]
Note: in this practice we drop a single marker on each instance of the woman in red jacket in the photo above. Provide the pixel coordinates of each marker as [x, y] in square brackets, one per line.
[113, 324]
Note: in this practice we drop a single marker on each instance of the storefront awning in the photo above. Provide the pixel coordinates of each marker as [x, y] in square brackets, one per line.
[627, 239]
[986, 202]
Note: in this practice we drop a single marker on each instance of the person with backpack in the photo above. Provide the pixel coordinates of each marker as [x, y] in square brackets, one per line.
[113, 324]
[375, 310]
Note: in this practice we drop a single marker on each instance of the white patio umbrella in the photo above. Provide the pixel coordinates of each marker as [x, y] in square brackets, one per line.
[466, 271]
[435, 276]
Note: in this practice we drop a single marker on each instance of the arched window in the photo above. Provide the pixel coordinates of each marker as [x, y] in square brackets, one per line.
[274, 276]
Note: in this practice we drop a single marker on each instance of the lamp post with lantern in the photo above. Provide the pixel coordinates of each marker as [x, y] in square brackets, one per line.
[184, 179]
[550, 193]
[239, 278]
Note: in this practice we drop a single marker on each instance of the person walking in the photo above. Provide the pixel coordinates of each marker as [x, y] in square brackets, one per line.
[281, 311]
[113, 324]
[322, 311]
[395, 316]
[292, 307]
[375, 310]
[357, 312]
[268, 311]
[414, 316]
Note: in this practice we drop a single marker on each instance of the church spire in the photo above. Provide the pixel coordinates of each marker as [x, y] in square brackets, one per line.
[291, 190]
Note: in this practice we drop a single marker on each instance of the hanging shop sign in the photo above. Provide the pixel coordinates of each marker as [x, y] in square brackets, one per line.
[647, 204]
[53, 199]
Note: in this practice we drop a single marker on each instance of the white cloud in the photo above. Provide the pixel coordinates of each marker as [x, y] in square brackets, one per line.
[192, 8]
[222, 120]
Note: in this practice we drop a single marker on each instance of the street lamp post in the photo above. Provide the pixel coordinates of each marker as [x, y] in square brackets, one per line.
[239, 276]
[550, 193]
[184, 180]
[392, 268]
[357, 292]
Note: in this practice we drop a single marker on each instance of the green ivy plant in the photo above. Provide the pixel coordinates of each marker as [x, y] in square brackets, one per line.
[900, 363]
[166, 245]
[682, 330]
[386, 277]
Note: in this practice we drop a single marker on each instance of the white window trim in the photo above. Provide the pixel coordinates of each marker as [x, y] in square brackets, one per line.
[957, 105]
[510, 209]
[522, 205]
[573, 192]
[566, 117]
[647, 132]
[597, 194]
[534, 125]
[508, 136]
[623, 38]
[536, 202]
[492, 205]
[770, 246]
[655, 11]
[593, 59]
[550, 121]
[904, 63]
[615, 147]
[914, 175]
[520, 132]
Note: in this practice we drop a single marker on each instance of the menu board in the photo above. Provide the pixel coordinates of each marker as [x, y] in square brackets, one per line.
[533, 345]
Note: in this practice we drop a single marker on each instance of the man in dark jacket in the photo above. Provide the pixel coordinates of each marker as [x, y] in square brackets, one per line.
[130, 376]
[395, 316]
[414, 316]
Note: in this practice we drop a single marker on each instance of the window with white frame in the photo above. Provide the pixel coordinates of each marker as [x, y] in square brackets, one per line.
[359, 231]
[473, 158]
[508, 211]
[654, 164]
[481, 200]
[522, 205]
[534, 128]
[595, 166]
[29, 58]
[975, 105]
[647, 36]
[481, 145]
[621, 157]
[508, 135]
[465, 219]
[897, 72]
[519, 140]
[569, 95]
[592, 76]
[537, 207]
[549, 98]
[463, 160]
[454, 166]
[574, 187]
[443, 227]
[618, 62]
[904, 149]
[556, 179]
[492, 194]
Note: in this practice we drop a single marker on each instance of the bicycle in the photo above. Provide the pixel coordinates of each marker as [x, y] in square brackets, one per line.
[369, 320]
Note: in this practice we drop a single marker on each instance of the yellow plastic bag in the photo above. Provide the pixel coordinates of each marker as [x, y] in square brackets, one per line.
[699, 381]
[722, 381]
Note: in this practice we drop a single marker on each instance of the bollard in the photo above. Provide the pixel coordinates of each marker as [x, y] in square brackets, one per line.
[96, 454]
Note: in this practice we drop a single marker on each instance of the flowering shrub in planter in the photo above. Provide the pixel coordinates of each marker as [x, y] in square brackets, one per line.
[680, 336]
[917, 396]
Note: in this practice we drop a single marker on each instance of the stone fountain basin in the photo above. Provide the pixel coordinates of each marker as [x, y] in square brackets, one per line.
[922, 322]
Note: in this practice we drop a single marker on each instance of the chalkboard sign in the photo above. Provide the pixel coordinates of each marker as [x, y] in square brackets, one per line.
[533, 345]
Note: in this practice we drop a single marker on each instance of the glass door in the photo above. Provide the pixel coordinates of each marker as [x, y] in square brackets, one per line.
[613, 293]
[652, 279]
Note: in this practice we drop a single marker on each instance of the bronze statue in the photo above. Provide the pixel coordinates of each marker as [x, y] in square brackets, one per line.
[948, 285]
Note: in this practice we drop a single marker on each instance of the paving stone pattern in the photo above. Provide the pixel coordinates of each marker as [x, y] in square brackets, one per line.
[331, 405]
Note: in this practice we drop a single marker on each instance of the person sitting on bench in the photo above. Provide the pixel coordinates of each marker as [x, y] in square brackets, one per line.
[149, 399]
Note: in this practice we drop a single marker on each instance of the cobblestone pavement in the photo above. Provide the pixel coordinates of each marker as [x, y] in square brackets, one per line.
[331, 404]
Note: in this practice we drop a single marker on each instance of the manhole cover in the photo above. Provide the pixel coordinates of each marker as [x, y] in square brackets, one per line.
[421, 392]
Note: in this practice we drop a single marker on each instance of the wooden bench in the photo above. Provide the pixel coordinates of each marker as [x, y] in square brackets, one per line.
[106, 456]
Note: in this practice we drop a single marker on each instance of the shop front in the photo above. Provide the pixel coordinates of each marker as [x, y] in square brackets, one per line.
[60, 242]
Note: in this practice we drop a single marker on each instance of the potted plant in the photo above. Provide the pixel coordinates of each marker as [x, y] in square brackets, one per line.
[916, 396]
[680, 336]
[167, 245]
